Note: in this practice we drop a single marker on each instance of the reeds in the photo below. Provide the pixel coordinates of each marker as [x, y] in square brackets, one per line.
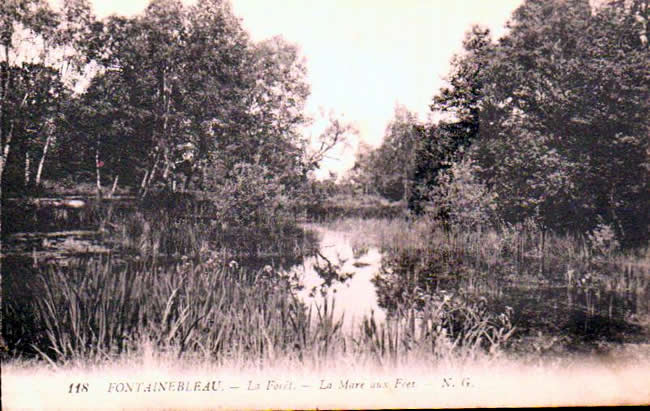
[198, 307]
[99, 311]
[510, 253]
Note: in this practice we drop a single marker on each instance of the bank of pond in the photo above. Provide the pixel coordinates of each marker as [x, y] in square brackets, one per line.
[98, 282]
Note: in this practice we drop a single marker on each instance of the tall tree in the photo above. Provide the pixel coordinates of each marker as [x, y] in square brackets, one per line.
[393, 162]
[22, 23]
[183, 96]
[41, 45]
[459, 105]
[568, 140]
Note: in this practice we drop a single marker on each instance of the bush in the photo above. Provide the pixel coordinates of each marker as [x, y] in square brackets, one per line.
[252, 195]
[460, 199]
[602, 240]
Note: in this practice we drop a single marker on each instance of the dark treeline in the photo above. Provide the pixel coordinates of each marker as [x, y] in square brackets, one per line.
[175, 99]
[548, 124]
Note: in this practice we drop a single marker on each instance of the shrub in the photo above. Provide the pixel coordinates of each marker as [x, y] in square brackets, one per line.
[602, 240]
[460, 198]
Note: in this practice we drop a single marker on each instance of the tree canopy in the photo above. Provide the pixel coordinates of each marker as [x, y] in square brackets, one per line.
[551, 119]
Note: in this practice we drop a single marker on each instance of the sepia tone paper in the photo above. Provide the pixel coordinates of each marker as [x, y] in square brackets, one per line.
[502, 382]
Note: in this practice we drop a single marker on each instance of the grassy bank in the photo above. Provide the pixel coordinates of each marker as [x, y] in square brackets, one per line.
[182, 299]
[181, 284]
[342, 206]
[566, 292]
[98, 311]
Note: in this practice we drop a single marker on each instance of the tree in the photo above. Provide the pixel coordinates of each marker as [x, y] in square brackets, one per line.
[362, 175]
[388, 169]
[33, 114]
[459, 104]
[462, 199]
[190, 97]
[42, 62]
[396, 156]
[21, 21]
[18, 18]
[567, 140]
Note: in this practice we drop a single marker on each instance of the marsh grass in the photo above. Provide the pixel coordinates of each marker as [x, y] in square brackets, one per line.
[567, 293]
[384, 234]
[512, 253]
[180, 291]
[99, 312]
[343, 206]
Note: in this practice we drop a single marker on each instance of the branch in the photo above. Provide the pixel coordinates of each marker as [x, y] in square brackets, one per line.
[336, 133]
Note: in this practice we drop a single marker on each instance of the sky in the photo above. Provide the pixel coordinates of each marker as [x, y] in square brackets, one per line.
[363, 56]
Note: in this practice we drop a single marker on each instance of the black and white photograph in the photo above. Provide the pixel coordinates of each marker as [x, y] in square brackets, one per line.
[324, 204]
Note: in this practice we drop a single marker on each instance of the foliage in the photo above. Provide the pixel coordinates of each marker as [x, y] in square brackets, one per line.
[556, 115]
[461, 199]
[388, 168]
[459, 105]
[516, 266]
[191, 96]
[575, 134]
[177, 98]
[217, 312]
[32, 110]
[603, 240]
[250, 197]
[367, 207]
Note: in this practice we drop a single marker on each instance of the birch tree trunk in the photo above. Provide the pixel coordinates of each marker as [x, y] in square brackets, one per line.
[117, 177]
[39, 171]
[27, 169]
[5, 141]
[98, 173]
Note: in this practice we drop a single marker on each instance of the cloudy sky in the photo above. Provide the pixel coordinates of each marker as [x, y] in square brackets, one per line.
[363, 56]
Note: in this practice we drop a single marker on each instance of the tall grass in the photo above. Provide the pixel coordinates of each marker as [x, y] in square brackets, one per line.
[190, 227]
[349, 206]
[568, 293]
[202, 305]
[384, 234]
[97, 311]
[520, 252]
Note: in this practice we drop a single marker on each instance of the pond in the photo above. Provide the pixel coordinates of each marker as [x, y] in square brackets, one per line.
[341, 273]
[330, 269]
[579, 314]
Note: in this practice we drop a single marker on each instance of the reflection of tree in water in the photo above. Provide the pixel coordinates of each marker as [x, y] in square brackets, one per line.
[405, 277]
[331, 273]
[577, 317]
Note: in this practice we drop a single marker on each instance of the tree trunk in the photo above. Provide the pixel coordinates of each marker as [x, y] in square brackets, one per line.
[117, 177]
[148, 179]
[3, 156]
[149, 174]
[543, 251]
[42, 162]
[144, 180]
[5, 141]
[98, 174]
[405, 194]
[27, 169]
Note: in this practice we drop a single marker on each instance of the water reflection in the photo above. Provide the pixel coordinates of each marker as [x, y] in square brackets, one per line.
[365, 281]
[334, 269]
[351, 286]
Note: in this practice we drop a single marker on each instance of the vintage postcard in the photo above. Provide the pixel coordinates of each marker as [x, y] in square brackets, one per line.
[241, 204]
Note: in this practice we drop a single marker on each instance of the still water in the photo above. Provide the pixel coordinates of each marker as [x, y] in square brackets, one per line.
[338, 272]
[348, 274]
[585, 313]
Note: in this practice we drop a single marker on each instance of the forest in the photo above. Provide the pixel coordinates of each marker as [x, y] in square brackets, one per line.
[159, 194]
